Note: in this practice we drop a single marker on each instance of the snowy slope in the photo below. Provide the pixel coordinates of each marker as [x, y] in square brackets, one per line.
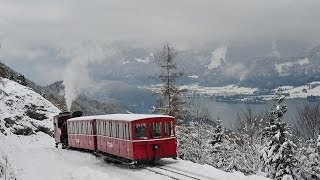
[218, 57]
[23, 111]
[35, 158]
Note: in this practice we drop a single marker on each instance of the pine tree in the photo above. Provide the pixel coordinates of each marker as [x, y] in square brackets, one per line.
[169, 100]
[218, 132]
[22, 80]
[221, 149]
[278, 155]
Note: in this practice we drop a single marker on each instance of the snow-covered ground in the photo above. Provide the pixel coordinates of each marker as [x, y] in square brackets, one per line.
[298, 92]
[35, 158]
[309, 89]
[224, 90]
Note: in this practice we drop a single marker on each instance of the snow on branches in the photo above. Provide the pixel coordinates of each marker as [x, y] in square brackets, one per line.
[278, 154]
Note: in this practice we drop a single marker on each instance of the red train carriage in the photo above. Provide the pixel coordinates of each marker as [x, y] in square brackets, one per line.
[122, 137]
[82, 133]
[136, 137]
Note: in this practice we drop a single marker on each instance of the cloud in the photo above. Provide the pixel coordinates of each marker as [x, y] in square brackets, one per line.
[181, 21]
[26, 26]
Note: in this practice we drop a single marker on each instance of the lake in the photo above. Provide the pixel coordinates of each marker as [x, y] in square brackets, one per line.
[228, 111]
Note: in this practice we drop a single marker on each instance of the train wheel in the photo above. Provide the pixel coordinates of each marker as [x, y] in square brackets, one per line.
[56, 145]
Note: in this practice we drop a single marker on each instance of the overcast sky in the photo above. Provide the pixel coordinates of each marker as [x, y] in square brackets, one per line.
[27, 25]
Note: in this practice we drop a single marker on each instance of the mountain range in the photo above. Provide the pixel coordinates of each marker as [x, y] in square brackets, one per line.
[118, 83]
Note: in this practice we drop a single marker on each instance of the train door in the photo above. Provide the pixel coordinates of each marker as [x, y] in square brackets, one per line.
[60, 129]
[156, 146]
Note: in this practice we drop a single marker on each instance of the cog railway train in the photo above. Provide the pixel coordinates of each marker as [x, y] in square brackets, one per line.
[127, 138]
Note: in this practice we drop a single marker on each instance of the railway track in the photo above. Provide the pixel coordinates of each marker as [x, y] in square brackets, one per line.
[176, 174]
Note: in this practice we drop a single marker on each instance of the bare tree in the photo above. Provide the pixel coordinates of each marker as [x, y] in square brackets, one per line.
[169, 100]
[250, 123]
[194, 138]
[307, 123]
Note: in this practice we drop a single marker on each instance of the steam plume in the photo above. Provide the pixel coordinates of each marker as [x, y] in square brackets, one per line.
[76, 77]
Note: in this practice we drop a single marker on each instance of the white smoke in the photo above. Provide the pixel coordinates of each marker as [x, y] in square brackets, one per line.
[76, 75]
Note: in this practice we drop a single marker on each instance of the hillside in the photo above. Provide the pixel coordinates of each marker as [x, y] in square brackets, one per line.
[23, 111]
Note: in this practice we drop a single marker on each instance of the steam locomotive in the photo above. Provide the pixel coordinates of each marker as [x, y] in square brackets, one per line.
[126, 138]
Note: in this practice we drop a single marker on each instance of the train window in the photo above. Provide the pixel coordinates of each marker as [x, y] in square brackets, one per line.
[125, 131]
[105, 129]
[98, 127]
[86, 128]
[89, 128]
[140, 131]
[110, 129]
[101, 126]
[117, 130]
[82, 127]
[129, 132]
[168, 129]
[156, 130]
[83, 124]
[120, 132]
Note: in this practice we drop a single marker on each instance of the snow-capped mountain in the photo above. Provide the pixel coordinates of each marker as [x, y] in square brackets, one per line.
[217, 65]
[23, 111]
[218, 57]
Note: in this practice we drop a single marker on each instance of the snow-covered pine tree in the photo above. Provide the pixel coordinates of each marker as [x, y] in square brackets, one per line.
[221, 150]
[278, 154]
[218, 132]
[169, 100]
[309, 160]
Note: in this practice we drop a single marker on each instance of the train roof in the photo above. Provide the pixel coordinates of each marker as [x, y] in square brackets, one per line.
[120, 117]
